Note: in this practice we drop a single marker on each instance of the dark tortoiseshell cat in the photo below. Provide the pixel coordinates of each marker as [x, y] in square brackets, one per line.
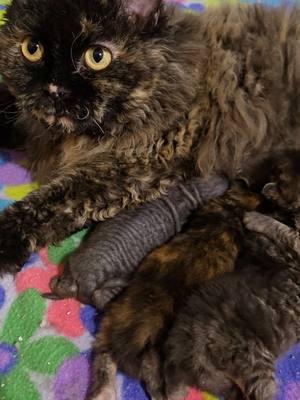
[117, 100]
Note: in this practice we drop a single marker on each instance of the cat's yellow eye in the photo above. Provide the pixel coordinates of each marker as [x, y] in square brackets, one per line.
[32, 49]
[97, 58]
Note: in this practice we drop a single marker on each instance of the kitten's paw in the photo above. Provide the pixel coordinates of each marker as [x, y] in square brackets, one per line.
[63, 287]
[257, 222]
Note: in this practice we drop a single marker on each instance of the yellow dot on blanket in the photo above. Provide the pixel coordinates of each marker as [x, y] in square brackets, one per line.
[19, 191]
[207, 396]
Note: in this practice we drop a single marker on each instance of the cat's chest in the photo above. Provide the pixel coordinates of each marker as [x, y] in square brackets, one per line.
[48, 159]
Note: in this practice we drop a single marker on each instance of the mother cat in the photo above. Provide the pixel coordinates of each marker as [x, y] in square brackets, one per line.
[118, 100]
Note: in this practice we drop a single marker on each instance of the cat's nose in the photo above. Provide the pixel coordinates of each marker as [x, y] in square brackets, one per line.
[58, 95]
[57, 91]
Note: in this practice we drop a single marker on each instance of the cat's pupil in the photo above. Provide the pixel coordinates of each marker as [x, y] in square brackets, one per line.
[33, 46]
[98, 54]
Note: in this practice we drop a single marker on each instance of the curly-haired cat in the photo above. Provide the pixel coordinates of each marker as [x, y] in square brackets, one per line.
[118, 100]
[235, 326]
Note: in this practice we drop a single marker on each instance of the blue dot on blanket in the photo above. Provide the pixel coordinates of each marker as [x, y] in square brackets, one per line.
[132, 389]
[4, 203]
[90, 318]
[8, 358]
[4, 157]
[2, 296]
[34, 257]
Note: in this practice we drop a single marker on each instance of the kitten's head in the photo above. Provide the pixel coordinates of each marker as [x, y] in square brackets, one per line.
[284, 189]
[77, 64]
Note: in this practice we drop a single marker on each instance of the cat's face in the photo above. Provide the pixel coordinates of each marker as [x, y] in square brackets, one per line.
[74, 63]
[284, 190]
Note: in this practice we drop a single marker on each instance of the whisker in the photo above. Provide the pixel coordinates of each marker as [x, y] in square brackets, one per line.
[71, 50]
[98, 125]
[6, 107]
[85, 116]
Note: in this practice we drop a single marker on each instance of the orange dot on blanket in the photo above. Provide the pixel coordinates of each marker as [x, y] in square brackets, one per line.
[64, 315]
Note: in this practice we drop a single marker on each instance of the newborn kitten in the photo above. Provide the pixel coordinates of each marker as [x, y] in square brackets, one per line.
[102, 267]
[119, 100]
[135, 325]
[235, 326]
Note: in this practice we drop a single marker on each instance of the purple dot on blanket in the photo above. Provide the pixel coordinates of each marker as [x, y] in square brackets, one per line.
[2, 296]
[196, 7]
[291, 391]
[90, 318]
[8, 358]
[132, 389]
[72, 379]
[13, 174]
[4, 157]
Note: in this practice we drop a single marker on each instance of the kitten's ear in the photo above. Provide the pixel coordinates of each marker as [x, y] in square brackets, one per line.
[143, 11]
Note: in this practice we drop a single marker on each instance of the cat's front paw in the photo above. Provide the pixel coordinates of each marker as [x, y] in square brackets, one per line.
[14, 249]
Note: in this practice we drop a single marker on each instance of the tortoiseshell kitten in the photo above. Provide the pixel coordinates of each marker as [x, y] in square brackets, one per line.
[118, 100]
[235, 326]
[136, 324]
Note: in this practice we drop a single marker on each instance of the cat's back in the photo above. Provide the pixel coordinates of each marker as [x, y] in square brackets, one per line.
[232, 25]
[261, 301]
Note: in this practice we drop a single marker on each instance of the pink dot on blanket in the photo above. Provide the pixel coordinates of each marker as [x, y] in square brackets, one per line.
[64, 315]
[35, 278]
[194, 395]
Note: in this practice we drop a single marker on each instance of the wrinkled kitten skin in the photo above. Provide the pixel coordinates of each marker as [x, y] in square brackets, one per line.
[99, 269]
[184, 95]
[136, 323]
[249, 325]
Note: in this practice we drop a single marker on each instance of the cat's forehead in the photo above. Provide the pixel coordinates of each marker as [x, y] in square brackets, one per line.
[62, 21]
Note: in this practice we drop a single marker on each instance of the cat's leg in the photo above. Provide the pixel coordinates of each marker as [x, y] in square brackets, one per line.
[56, 210]
[254, 373]
[66, 286]
[104, 372]
[152, 376]
[63, 286]
[278, 232]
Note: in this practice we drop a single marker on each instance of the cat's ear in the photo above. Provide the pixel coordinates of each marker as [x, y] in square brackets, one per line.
[142, 11]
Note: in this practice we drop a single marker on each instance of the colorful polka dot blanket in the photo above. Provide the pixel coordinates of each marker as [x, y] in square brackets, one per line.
[45, 346]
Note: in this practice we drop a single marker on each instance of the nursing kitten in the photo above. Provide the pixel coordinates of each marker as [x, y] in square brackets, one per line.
[106, 261]
[236, 326]
[136, 323]
[119, 100]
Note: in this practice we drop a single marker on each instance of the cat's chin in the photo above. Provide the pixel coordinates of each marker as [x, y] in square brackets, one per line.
[65, 123]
